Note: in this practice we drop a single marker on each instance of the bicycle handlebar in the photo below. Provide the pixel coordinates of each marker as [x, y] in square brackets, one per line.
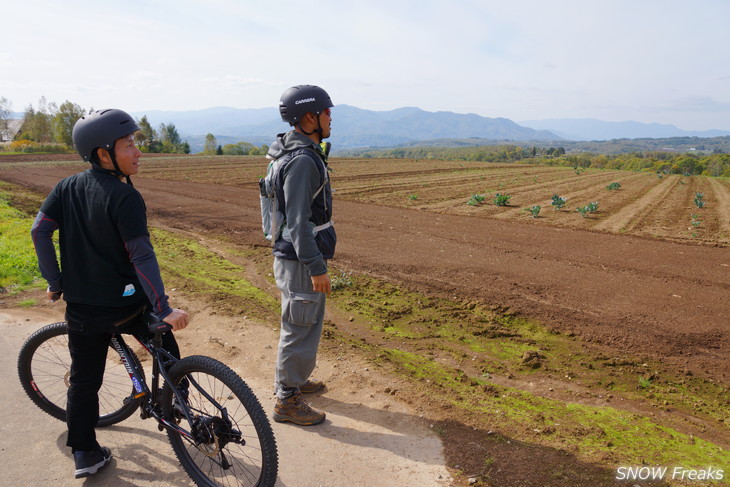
[159, 327]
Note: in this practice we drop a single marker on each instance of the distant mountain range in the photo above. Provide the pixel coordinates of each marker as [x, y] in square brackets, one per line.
[582, 129]
[354, 127]
[351, 126]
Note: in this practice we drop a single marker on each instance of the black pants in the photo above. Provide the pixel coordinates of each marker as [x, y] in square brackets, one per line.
[90, 329]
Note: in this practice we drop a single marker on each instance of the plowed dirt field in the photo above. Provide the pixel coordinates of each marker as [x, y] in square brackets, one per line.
[636, 274]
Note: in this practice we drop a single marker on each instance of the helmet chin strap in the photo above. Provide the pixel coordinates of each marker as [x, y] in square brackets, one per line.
[318, 130]
[116, 171]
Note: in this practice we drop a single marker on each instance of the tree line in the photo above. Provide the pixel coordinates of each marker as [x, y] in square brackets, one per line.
[686, 163]
[212, 147]
[48, 127]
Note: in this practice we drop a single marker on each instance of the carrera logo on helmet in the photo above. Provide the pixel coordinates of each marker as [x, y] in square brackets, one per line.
[305, 100]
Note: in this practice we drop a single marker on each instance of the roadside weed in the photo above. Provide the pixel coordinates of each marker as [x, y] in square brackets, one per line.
[342, 281]
[19, 268]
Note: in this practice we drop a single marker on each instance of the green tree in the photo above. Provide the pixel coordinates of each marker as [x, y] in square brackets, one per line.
[38, 124]
[170, 138]
[63, 122]
[244, 149]
[210, 144]
[146, 138]
[6, 110]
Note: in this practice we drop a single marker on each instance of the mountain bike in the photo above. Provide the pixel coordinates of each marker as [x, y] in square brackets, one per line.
[214, 422]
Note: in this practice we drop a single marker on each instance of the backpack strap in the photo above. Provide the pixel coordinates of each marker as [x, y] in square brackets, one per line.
[306, 150]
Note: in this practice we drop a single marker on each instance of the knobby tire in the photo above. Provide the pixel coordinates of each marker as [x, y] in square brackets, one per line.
[252, 460]
[44, 368]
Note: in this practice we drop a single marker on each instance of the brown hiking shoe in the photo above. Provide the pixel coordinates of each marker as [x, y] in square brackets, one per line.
[312, 385]
[295, 409]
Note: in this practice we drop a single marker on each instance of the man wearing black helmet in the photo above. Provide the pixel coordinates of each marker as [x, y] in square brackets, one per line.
[109, 276]
[301, 253]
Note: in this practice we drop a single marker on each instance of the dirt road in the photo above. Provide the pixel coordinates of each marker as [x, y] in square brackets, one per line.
[381, 442]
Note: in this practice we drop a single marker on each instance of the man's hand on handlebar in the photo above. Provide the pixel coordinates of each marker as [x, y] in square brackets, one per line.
[179, 319]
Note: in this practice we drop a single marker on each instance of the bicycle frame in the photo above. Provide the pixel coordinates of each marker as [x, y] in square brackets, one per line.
[150, 408]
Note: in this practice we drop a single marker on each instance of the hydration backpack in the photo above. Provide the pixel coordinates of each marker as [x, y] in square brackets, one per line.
[273, 221]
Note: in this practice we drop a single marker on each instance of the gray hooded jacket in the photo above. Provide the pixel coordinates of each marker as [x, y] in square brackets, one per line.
[300, 180]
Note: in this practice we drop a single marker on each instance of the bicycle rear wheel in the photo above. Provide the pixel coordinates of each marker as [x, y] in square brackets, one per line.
[232, 442]
[44, 368]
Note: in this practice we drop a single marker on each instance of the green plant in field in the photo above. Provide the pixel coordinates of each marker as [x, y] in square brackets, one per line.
[613, 186]
[534, 210]
[501, 199]
[413, 197]
[476, 199]
[644, 382]
[578, 170]
[695, 220]
[700, 200]
[659, 175]
[558, 202]
[587, 209]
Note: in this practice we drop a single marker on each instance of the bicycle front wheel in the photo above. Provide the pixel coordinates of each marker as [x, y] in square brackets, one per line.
[44, 369]
[231, 442]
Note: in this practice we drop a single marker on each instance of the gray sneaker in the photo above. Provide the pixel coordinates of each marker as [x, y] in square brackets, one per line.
[90, 462]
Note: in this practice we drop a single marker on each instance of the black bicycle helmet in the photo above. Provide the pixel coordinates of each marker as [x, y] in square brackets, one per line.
[101, 129]
[302, 99]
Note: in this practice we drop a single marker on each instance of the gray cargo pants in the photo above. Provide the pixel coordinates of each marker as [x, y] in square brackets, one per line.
[302, 314]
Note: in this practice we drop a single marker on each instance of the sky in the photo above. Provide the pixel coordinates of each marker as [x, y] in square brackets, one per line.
[651, 61]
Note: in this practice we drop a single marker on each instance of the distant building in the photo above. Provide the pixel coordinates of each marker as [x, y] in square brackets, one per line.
[13, 128]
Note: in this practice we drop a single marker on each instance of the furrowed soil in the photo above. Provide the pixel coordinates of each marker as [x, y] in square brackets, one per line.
[542, 351]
